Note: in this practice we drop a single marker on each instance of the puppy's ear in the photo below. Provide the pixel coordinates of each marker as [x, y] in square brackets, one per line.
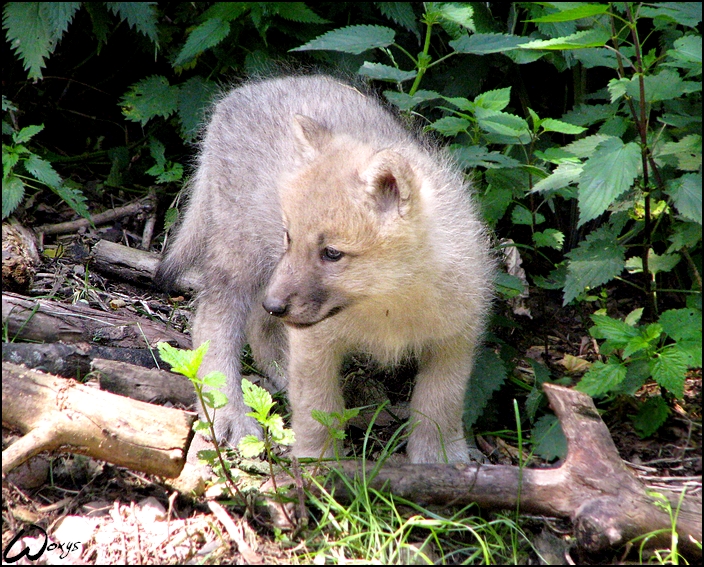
[392, 183]
[310, 136]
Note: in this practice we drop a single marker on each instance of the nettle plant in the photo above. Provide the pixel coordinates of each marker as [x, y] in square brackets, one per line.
[633, 168]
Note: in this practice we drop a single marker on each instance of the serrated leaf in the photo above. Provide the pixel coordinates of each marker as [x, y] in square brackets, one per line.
[571, 14]
[685, 13]
[585, 147]
[42, 170]
[450, 125]
[497, 99]
[27, 133]
[594, 262]
[73, 197]
[401, 13]
[588, 38]
[382, 72]
[488, 375]
[298, 12]
[552, 125]
[563, 175]
[194, 97]
[485, 43]
[148, 98]
[250, 447]
[606, 175]
[206, 35]
[656, 263]
[215, 399]
[549, 441]
[651, 416]
[29, 34]
[508, 286]
[682, 324]
[256, 397]
[688, 151]
[12, 194]
[605, 327]
[458, 13]
[407, 102]
[521, 215]
[646, 338]
[351, 39]
[183, 361]
[666, 85]
[687, 50]
[479, 156]
[503, 124]
[214, 379]
[550, 238]
[602, 378]
[138, 15]
[669, 369]
[686, 193]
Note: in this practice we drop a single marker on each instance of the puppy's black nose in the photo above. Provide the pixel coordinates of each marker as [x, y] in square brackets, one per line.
[275, 307]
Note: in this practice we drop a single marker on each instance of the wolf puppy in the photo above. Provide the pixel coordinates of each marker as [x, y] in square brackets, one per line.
[321, 226]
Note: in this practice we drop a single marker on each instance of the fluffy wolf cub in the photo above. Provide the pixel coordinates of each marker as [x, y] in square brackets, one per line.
[321, 226]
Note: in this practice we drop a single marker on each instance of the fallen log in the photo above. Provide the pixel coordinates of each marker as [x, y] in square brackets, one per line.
[48, 321]
[135, 265]
[56, 413]
[607, 502]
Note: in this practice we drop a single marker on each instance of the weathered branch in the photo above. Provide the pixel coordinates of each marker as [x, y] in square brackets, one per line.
[48, 321]
[56, 413]
[135, 265]
[101, 218]
[604, 498]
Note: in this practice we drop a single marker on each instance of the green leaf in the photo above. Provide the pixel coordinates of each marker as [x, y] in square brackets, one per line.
[194, 97]
[256, 398]
[596, 260]
[549, 238]
[687, 54]
[685, 13]
[458, 13]
[646, 338]
[688, 152]
[656, 263]
[548, 439]
[686, 193]
[479, 156]
[602, 378]
[12, 194]
[552, 125]
[508, 286]
[504, 124]
[497, 99]
[214, 399]
[382, 72]
[563, 175]
[682, 324]
[73, 197]
[450, 125]
[214, 379]
[522, 215]
[488, 375]
[183, 361]
[27, 133]
[571, 14]
[588, 38]
[298, 12]
[650, 417]
[42, 170]
[139, 15]
[605, 327]
[351, 39]
[485, 43]
[401, 13]
[148, 98]
[606, 175]
[666, 85]
[207, 35]
[250, 447]
[585, 147]
[407, 102]
[669, 369]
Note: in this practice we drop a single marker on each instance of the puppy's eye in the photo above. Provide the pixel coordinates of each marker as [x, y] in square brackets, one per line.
[330, 254]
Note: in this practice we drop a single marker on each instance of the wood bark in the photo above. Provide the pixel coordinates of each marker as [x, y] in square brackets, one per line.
[136, 265]
[55, 413]
[48, 321]
[144, 384]
[136, 207]
[72, 360]
[593, 487]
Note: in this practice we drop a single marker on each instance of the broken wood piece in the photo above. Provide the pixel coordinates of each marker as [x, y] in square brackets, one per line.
[135, 265]
[48, 321]
[55, 413]
[593, 487]
[149, 385]
[139, 206]
[72, 360]
[19, 257]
